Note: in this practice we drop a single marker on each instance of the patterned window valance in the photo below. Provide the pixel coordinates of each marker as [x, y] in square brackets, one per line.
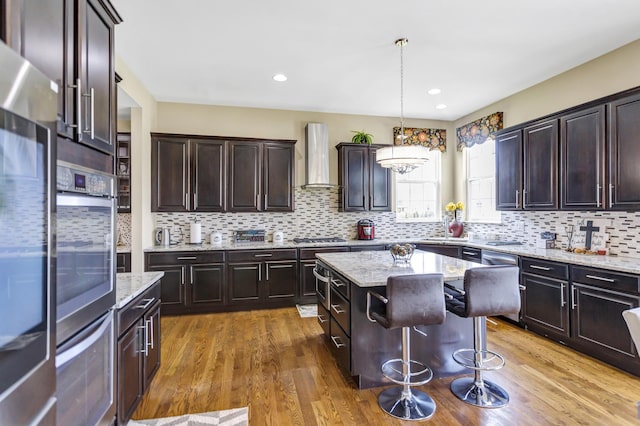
[478, 131]
[431, 138]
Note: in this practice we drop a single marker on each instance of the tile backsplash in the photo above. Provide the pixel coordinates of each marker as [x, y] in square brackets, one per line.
[316, 215]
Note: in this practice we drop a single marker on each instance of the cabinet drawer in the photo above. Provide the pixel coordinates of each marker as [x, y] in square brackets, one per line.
[545, 268]
[340, 310]
[340, 346]
[471, 254]
[604, 278]
[178, 258]
[369, 247]
[324, 320]
[133, 310]
[310, 253]
[341, 285]
[260, 255]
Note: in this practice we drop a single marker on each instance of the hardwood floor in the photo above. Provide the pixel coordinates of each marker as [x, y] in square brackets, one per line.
[279, 365]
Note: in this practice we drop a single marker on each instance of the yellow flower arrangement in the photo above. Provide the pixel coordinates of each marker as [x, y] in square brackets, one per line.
[451, 206]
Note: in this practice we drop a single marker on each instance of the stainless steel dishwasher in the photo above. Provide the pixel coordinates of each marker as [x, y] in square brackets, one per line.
[490, 257]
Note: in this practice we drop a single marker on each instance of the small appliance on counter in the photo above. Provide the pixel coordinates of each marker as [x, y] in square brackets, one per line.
[366, 229]
[547, 240]
[216, 238]
[162, 236]
[278, 237]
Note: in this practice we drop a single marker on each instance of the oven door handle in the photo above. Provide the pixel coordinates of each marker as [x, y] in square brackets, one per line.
[84, 344]
[319, 276]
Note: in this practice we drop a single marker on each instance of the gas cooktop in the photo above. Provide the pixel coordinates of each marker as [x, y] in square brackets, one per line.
[319, 240]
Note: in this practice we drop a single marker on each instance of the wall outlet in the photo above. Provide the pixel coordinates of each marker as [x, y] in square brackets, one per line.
[520, 226]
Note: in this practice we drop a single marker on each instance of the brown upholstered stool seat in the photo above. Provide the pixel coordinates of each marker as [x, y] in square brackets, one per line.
[411, 300]
[488, 291]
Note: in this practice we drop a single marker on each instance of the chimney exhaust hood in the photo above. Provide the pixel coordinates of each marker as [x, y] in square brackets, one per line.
[317, 156]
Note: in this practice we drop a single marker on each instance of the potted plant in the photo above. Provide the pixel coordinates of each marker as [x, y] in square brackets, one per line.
[362, 137]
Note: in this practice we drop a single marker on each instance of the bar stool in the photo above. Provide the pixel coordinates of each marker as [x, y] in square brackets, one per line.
[411, 300]
[489, 291]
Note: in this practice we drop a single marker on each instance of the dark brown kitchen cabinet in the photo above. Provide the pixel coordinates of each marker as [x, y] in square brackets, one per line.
[261, 176]
[193, 281]
[187, 174]
[624, 153]
[508, 148]
[364, 185]
[540, 150]
[306, 265]
[72, 42]
[123, 262]
[138, 349]
[443, 249]
[259, 278]
[546, 301]
[123, 171]
[582, 159]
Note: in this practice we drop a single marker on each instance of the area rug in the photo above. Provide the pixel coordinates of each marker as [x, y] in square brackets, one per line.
[307, 311]
[233, 417]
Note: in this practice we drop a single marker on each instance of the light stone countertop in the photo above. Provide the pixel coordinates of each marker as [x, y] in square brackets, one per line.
[372, 268]
[130, 285]
[613, 262]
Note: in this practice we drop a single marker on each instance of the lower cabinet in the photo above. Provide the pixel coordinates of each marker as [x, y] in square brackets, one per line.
[306, 265]
[443, 249]
[258, 278]
[138, 350]
[193, 281]
[123, 262]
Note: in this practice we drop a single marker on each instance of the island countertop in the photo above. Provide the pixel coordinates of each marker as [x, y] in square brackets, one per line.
[130, 285]
[372, 268]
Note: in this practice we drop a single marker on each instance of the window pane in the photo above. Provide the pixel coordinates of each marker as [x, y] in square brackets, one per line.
[418, 192]
[481, 182]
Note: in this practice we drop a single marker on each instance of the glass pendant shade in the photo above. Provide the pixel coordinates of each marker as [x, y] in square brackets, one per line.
[402, 158]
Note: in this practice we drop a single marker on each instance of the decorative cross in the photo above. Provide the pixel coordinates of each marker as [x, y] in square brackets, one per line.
[589, 229]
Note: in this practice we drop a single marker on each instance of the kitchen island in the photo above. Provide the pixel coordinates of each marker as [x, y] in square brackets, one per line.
[361, 346]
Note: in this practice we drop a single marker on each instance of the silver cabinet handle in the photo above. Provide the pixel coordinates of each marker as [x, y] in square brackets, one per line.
[336, 310]
[191, 275]
[259, 273]
[522, 287]
[182, 276]
[598, 186]
[145, 351]
[148, 303]
[321, 319]
[263, 255]
[524, 198]
[187, 258]
[595, 277]
[470, 253]
[92, 115]
[574, 304]
[336, 342]
[150, 332]
[542, 268]
[264, 206]
[517, 198]
[186, 200]
[338, 283]
[610, 195]
[78, 125]
[195, 200]
[562, 301]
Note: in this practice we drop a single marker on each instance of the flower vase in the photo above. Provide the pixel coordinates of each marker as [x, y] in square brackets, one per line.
[456, 227]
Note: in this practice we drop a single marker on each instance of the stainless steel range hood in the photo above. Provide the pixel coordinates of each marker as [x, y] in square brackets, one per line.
[317, 156]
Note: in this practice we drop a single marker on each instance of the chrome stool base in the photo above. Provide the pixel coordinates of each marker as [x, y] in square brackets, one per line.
[483, 394]
[417, 405]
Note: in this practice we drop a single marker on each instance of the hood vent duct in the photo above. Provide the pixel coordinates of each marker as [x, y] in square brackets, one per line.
[317, 156]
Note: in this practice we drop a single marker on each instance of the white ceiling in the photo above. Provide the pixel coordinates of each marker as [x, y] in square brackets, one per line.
[340, 56]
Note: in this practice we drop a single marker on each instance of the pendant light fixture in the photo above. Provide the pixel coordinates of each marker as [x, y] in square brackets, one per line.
[402, 158]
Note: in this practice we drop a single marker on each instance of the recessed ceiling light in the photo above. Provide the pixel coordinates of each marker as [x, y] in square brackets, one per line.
[441, 106]
[434, 91]
[280, 77]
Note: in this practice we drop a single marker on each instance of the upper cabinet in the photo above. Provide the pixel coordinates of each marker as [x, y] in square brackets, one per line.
[364, 184]
[72, 42]
[624, 153]
[123, 171]
[582, 159]
[211, 174]
[261, 176]
[594, 147]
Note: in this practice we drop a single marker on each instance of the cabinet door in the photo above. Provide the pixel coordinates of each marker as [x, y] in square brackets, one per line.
[353, 178]
[582, 159]
[379, 185]
[244, 177]
[597, 321]
[624, 154]
[278, 177]
[280, 280]
[546, 309]
[171, 284]
[169, 175]
[445, 250]
[509, 171]
[540, 143]
[244, 281]
[97, 77]
[151, 361]
[208, 182]
[206, 284]
[130, 383]
[307, 281]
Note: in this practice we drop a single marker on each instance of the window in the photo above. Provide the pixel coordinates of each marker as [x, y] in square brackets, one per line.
[418, 192]
[481, 188]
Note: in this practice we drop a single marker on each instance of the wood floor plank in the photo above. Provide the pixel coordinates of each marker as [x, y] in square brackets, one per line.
[280, 366]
